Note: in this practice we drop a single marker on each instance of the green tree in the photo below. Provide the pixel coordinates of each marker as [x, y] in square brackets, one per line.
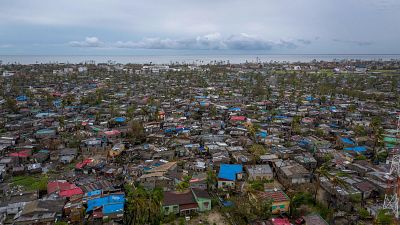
[143, 206]
[11, 104]
[211, 179]
[384, 217]
[184, 184]
[257, 150]
[248, 208]
[136, 132]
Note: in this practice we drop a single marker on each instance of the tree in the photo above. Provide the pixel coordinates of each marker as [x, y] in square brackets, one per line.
[257, 150]
[211, 179]
[301, 198]
[322, 171]
[183, 185]
[143, 206]
[376, 125]
[12, 104]
[295, 125]
[384, 217]
[359, 130]
[136, 132]
[248, 208]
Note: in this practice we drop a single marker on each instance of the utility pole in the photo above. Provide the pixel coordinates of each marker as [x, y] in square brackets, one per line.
[392, 199]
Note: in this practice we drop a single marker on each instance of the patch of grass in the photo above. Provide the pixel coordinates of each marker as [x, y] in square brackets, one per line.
[31, 183]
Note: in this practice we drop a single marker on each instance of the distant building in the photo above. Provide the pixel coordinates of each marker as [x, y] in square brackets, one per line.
[8, 73]
[229, 174]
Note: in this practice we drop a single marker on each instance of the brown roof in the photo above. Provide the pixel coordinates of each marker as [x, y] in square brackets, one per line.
[276, 196]
[178, 198]
[315, 219]
[365, 186]
[163, 168]
[201, 193]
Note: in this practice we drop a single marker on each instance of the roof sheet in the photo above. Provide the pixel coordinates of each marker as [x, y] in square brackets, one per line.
[229, 171]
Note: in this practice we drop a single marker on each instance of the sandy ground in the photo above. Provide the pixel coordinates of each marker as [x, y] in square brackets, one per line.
[210, 218]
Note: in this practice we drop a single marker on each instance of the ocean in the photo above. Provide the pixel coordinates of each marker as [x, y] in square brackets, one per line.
[188, 58]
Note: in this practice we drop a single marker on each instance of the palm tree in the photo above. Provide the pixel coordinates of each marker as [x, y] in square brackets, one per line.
[377, 130]
[211, 179]
[143, 206]
[322, 171]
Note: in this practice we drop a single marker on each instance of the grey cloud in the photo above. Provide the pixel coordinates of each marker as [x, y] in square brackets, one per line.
[6, 46]
[88, 42]
[304, 41]
[214, 41]
[359, 43]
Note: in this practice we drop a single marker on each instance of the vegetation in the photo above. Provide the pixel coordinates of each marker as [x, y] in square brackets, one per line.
[246, 209]
[31, 183]
[384, 217]
[143, 206]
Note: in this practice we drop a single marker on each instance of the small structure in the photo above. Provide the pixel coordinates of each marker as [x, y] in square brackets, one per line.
[259, 172]
[228, 174]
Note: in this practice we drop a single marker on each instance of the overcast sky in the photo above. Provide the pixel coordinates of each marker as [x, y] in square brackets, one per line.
[61, 27]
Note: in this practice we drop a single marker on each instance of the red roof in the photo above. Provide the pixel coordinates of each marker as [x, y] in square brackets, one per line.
[98, 213]
[276, 196]
[112, 132]
[83, 163]
[21, 154]
[280, 221]
[54, 186]
[188, 206]
[71, 192]
[238, 118]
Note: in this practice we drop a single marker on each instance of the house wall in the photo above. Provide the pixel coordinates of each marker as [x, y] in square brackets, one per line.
[225, 184]
[278, 207]
[202, 202]
[168, 209]
[265, 176]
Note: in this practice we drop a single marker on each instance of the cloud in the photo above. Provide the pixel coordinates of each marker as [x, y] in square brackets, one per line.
[304, 41]
[88, 42]
[6, 46]
[213, 41]
[352, 42]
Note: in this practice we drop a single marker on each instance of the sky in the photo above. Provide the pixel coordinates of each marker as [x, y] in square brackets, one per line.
[145, 27]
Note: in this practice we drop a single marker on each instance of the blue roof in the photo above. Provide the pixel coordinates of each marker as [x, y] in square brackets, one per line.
[22, 98]
[234, 109]
[280, 117]
[200, 97]
[120, 119]
[113, 208]
[309, 98]
[229, 171]
[227, 203]
[347, 141]
[57, 103]
[356, 149]
[262, 134]
[92, 193]
[105, 201]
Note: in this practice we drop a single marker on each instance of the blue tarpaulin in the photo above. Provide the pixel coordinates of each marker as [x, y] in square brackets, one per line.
[227, 203]
[119, 119]
[113, 208]
[356, 149]
[347, 141]
[115, 199]
[234, 109]
[310, 98]
[22, 98]
[93, 193]
[229, 171]
[262, 134]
